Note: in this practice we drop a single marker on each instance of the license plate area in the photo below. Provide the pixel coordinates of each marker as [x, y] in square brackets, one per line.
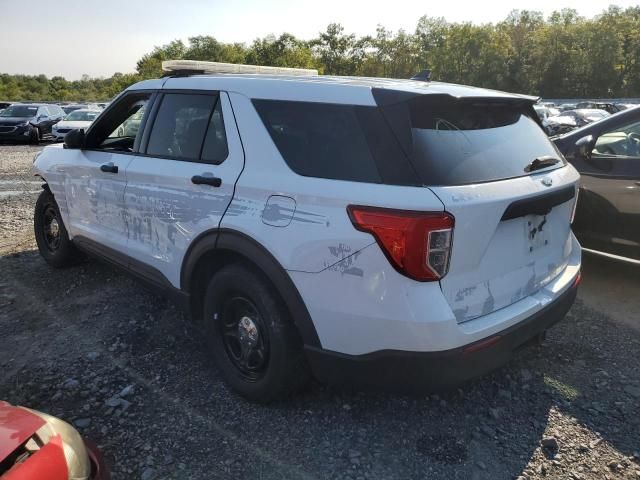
[536, 231]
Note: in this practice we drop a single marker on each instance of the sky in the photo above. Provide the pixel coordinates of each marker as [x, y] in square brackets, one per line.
[99, 37]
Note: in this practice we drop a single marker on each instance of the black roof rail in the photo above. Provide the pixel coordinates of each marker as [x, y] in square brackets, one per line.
[182, 73]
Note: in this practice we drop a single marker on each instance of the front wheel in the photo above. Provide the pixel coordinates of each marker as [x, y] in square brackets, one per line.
[34, 136]
[51, 235]
[255, 344]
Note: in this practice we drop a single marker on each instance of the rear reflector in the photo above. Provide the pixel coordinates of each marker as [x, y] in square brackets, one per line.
[417, 244]
[578, 279]
[482, 344]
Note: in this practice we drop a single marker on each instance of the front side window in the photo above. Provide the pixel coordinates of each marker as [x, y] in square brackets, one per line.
[189, 127]
[119, 129]
[623, 141]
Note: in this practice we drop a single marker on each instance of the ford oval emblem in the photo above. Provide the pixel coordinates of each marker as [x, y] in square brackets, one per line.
[547, 182]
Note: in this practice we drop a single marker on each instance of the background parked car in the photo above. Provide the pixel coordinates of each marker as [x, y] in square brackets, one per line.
[28, 121]
[35, 445]
[78, 106]
[607, 155]
[572, 119]
[81, 118]
[609, 107]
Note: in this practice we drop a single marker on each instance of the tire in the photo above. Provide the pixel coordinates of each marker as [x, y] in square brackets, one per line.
[34, 136]
[51, 235]
[243, 315]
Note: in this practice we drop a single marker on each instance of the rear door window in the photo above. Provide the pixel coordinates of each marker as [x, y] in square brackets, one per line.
[181, 125]
[342, 142]
[459, 142]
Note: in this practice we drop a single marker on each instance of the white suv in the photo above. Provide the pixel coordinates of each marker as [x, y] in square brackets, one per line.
[369, 231]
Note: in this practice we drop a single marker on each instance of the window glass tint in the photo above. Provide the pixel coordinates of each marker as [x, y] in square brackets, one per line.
[343, 142]
[458, 142]
[180, 125]
[621, 141]
[215, 148]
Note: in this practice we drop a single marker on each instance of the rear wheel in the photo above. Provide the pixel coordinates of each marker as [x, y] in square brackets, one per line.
[51, 235]
[256, 346]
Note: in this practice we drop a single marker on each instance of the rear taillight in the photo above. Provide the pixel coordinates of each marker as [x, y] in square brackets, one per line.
[418, 244]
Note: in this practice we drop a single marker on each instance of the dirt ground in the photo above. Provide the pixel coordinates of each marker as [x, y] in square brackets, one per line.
[99, 350]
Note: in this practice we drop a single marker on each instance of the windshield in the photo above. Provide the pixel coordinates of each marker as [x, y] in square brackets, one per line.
[462, 142]
[80, 116]
[20, 111]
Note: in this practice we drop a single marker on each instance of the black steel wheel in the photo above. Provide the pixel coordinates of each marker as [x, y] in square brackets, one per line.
[244, 337]
[51, 235]
[257, 348]
[51, 228]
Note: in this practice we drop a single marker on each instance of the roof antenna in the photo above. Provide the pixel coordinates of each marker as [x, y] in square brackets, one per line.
[422, 76]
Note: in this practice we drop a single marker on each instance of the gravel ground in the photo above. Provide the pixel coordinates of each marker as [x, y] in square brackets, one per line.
[100, 351]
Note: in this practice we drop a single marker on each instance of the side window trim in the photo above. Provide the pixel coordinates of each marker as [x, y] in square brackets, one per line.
[148, 119]
[206, 132]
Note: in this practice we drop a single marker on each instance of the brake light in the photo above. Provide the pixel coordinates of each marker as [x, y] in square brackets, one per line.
[418, 244]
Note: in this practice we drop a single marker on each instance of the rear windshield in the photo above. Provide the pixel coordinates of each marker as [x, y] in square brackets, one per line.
[462, 142]
[342, 142]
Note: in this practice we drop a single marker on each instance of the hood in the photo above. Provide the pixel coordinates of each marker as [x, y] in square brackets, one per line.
[561, 120]
[17, 425]
[72, 124]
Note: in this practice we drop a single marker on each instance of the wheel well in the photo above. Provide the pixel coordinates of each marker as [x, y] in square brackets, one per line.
[208, 264]
[224, 247]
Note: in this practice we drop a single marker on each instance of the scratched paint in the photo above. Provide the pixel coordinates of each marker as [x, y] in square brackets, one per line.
[347, 261]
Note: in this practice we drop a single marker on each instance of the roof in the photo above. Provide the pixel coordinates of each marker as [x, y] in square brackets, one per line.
[349, 90]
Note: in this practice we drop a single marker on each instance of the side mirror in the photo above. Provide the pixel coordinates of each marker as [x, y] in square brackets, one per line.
[74, 139]
[584, 146]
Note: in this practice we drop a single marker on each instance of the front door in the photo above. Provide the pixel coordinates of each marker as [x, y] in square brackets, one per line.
[608, 213]
[181, 183]
[95, 178]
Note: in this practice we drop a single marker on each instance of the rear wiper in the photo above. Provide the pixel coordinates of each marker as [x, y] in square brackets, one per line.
[541, 162]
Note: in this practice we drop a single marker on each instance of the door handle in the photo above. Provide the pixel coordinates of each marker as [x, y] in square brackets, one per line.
[202, 180]
[109, 168]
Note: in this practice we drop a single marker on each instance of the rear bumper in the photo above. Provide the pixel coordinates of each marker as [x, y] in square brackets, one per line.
[428, 371]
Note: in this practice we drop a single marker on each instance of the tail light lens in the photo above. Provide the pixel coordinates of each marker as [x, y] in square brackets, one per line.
[417, 244]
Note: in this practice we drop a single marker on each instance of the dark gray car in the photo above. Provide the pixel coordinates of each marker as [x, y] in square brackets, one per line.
[607, 155]
[28, 122]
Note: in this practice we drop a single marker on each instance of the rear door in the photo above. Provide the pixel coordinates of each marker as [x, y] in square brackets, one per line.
[507, 186]
[183, 179]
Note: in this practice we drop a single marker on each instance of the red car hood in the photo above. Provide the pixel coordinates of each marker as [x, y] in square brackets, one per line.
[17, 425]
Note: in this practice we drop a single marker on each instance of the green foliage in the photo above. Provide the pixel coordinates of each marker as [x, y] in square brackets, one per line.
[565, 55]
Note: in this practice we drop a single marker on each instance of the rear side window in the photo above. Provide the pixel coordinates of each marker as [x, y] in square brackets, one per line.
[180, 126]
[342, 142]
[458, 142]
